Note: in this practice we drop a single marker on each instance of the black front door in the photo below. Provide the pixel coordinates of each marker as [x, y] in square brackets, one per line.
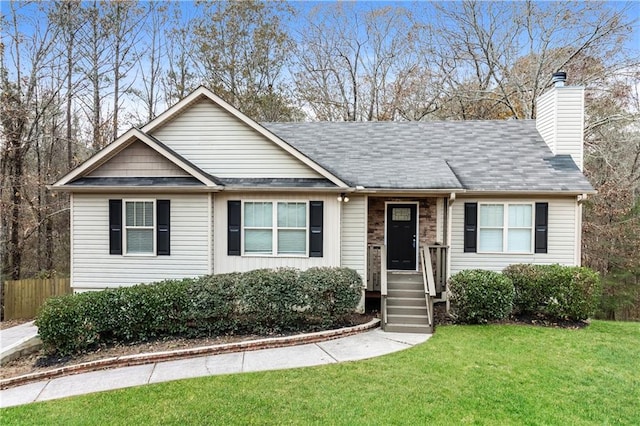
[401, 236]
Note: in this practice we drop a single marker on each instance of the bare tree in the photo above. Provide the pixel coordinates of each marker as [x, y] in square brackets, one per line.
[22, 110]
[351, 60]
[242, 49]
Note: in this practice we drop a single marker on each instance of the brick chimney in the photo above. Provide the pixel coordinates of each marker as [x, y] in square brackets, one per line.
[560, 118]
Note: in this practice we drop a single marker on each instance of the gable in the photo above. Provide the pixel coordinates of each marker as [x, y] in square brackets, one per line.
[138, 160]
[222, 145]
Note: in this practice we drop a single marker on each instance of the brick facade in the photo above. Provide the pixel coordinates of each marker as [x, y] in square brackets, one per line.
[427, 225]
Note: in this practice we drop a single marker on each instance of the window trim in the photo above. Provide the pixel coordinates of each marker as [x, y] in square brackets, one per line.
[274, 228]
[505, 227]
[125, 227]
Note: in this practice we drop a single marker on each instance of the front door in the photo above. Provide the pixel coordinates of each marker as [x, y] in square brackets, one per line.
[401, 236]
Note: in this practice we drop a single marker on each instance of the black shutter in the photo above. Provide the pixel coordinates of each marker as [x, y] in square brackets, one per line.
[470, 227]
[163, 223]
[542, 227]
[315, 228]
[115, 226]
[234, 219]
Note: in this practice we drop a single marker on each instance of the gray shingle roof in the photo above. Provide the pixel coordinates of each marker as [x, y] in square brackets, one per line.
[136, 181]
[474, 155]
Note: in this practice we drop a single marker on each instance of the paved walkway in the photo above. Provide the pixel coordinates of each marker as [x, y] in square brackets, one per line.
[13, 335]
[351, 348]
[12, 339]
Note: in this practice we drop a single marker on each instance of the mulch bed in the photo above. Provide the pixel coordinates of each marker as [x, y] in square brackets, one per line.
[441, 317]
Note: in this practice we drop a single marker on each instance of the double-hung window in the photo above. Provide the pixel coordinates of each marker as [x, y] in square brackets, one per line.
[275, 228]
[139, 227]
[505, 228]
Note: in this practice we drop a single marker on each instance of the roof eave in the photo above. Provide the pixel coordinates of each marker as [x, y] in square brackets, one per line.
[131, 189]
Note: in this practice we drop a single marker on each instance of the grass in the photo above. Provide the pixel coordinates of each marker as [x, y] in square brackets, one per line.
[464, 375]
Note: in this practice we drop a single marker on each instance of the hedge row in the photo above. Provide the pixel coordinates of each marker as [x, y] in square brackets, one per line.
[553, 291]
[257, 302]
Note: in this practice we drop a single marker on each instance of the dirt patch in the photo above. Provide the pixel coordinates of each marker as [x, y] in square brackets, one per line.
[41, 361]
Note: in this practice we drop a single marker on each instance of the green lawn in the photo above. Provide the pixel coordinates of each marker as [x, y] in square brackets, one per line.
[463, 375]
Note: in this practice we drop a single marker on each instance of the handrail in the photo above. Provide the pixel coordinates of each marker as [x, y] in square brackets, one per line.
[428, 282]
[383, 283]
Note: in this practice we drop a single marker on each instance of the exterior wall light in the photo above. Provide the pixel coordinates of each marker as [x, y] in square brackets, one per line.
[343, 198]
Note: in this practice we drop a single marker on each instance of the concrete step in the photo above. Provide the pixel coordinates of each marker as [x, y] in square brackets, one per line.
[406, 310]
[408, 328]
[415, 294]
[408, 319]
[407, 301]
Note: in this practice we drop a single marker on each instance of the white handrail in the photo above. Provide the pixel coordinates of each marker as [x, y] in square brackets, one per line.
[383, 282]
[428, 282]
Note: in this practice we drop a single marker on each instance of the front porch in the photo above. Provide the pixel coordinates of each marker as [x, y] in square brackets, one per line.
[407, 258]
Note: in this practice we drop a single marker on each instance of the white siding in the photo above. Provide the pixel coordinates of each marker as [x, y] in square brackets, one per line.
[93, 266]
[354, 234]
[560, 121]
[331, 235]
[563, 237]
[224, 146]
[138, 160]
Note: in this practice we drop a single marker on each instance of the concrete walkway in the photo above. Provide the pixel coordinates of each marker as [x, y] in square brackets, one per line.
[351, 348]
[16, 339]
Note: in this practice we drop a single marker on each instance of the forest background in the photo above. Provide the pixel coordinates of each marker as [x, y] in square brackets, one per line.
[74, 75]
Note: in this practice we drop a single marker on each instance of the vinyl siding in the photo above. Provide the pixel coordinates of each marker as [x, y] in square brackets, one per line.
[560, 121]
[563, 237]
[331, 235]
[138, 160]
[94, 268]
[223, 146]
[354, 234]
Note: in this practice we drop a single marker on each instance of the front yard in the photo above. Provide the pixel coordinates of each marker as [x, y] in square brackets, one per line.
[499, 374]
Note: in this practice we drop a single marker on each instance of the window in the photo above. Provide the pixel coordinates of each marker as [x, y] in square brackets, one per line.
[139, 227]
[275, 228]
[505, 228]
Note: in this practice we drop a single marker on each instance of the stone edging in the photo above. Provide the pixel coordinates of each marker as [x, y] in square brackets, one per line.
[153, 357]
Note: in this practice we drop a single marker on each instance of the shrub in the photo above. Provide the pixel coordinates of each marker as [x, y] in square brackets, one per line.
[63, 325]
[559, 292]
[479, 296]
[261, 301]
[270, 300]
[530, 292]
[212, 308]
[332, 293]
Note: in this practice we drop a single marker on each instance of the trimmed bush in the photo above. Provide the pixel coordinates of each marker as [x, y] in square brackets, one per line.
[479, 296]
[332, 293]
[270, 301]
[256, 302]
[558, 292]
[530, 292]
[212, 309]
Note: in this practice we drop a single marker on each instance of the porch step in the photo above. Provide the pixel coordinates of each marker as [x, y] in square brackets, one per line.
[405, 285]
[408, 328]
[407, 301]
[409, 293]
[407, 319]
[406, 310]
[404, 276]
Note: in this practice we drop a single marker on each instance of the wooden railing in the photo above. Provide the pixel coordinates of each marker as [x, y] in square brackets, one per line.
[373, 267]
[383, 283]
[438, 260]
[428, 282]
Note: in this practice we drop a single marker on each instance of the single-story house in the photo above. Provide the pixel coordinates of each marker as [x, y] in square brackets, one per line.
[205, 189]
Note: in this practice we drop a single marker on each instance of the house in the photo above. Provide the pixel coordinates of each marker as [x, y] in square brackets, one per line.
[205, 189]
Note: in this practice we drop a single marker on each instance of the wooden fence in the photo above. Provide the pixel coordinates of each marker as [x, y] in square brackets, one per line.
[23, 298]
